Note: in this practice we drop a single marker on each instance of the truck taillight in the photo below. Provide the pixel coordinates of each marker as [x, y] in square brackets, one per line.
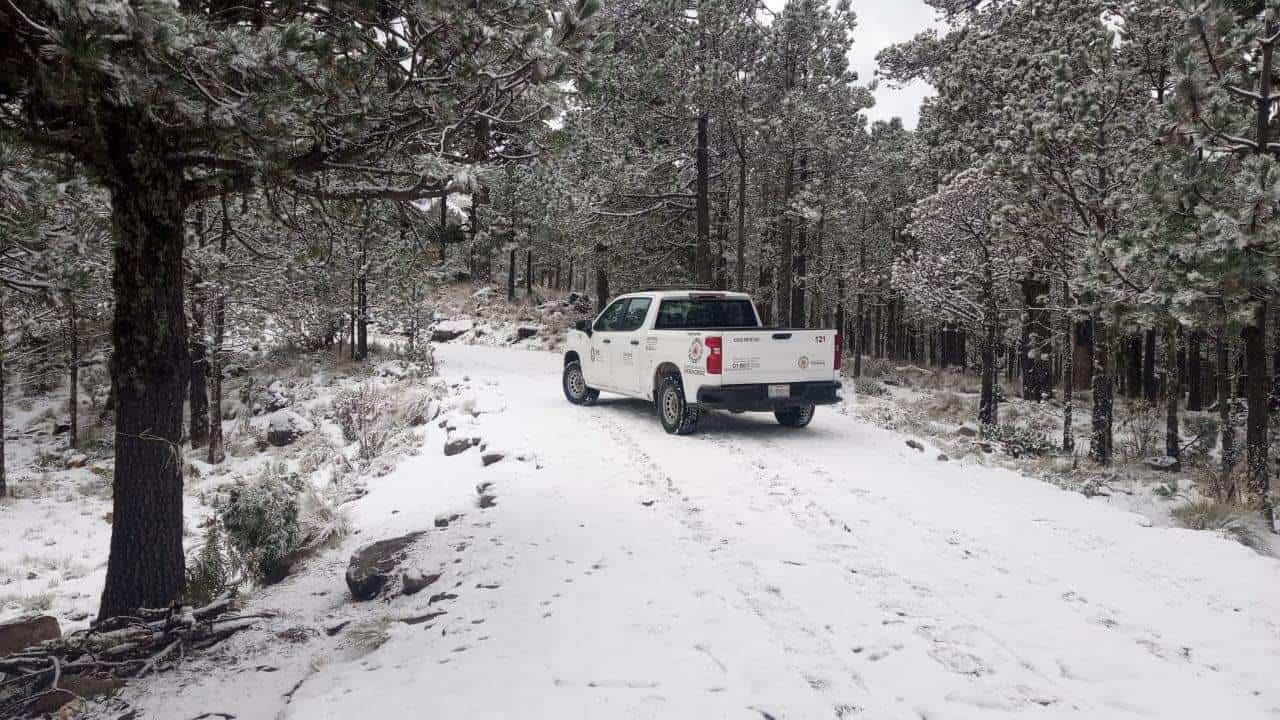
[839, 351]
[715, 359]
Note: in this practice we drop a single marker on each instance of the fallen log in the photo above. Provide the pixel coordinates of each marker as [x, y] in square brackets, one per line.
[105, 655]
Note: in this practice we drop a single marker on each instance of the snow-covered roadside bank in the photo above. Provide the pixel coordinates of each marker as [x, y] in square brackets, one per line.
[746, 571]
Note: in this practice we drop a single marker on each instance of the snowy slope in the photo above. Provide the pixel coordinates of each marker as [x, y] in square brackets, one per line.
[748, 571]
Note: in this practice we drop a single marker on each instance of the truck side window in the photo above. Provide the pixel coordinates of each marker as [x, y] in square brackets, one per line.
[633, 319]
[611, 317]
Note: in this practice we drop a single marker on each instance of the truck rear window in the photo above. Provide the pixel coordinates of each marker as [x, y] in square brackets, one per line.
[705, 314]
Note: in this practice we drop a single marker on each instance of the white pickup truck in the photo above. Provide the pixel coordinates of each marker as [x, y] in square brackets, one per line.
[693, 350]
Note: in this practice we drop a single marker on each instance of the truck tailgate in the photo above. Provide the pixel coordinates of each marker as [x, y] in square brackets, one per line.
[778, 356]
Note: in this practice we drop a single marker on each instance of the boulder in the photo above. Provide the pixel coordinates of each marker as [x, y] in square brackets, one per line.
[1163, 464]
[415, 581]
[490, 458]
[276, 398]
[524, 332]
[285, 426]
[942, 457]
[967, 430]
[446, 330]
[27, 632]
[915, 445]
[456, 446]
[371, 566]
[71, 688]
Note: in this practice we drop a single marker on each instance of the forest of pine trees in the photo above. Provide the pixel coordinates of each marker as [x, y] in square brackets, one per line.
[1087, 209]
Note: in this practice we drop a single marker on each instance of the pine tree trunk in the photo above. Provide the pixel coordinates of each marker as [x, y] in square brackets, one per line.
[859, 336]
[150, 363]
[362, 305]
[602, 276]
[198, 397]
[702, 252]
[511, 275]
[73, 382]
[988, 410]
[742, 224]
[1228, 431]
[1150, 390]
[785, 253]
[1173, 392]
[1068, 388]
[1037, 382]
[1259, 382]
[4, 483]
[1100, 439]
[1195, 375]
[528, 271]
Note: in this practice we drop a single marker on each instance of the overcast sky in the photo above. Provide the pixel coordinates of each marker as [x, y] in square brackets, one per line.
[882, 23]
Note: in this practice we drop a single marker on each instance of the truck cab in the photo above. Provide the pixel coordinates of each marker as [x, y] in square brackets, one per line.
[692, 350]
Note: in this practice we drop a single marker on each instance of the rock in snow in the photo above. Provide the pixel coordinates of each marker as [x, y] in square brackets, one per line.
[915, 445]
[413, 582]
[371, 566]
[27, 632]
[446, 330]
[1163, 464]
[460, 445]
[285, 426]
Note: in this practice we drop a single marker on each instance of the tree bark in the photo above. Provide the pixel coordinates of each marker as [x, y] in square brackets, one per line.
[198, 397]
[216, 352]
[362, 303]
[73, 365]
[528, 271]
[702, 251]
[4, 484]
[602, 276]
[1068, 387]
[1037, 383]
[1256, 391]
[1100, 439]
[785, 259]
[1173, 392]
[742, 223]
[1195, 375]
[146, 566]
[1150, 389]
[988, 407]
[511, 275]
[1224, 412]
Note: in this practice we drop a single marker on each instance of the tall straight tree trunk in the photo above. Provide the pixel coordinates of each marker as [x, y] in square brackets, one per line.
[1150, 390]
[785, 254]
[1068, 387]
[1258, 386]
[1037, 382]
[988, 403]
[1224, 411]
[362, 305]
[742, 223]
[4, 484]
[198, 396]
[528, 271]
[1100, 438]
[1133, 365]
[569, 283]
[602, 276]
[511, 275]
[1195, 375]
[702, 252]
[216, 351]
[146, 567]
[1173, 392]
[73, 365]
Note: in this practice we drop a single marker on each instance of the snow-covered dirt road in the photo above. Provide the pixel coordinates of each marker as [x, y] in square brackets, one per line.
[752, 571]
[755, 571]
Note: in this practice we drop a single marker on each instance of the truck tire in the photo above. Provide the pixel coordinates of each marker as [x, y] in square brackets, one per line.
[575, 385]
[796, 417]
[676, 415]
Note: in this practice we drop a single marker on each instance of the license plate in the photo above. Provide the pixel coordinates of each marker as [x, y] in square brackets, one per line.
[779, 391]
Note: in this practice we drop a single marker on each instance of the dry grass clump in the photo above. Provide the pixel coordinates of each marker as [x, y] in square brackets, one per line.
[1230, 520]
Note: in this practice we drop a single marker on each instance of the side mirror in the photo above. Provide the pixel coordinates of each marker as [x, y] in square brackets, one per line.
[583, 326]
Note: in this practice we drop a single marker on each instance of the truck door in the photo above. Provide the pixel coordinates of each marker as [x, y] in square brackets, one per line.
[627, 366]
[596, 367]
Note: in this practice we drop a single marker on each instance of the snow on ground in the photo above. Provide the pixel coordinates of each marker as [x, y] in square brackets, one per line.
[746, 571]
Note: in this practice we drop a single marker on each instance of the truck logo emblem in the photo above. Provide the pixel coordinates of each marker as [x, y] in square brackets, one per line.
[695, 350]
[803, 362]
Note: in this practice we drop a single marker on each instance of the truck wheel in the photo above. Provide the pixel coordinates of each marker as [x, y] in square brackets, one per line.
[575, 385]
[796, 417]
[677, 417]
